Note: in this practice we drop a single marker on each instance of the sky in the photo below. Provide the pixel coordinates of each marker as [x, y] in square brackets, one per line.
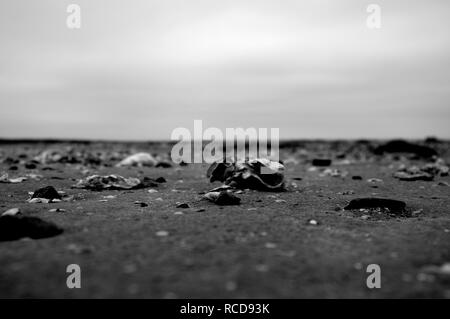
[136, 70]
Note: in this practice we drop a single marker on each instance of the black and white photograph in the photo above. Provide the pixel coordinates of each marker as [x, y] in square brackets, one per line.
[197, 150]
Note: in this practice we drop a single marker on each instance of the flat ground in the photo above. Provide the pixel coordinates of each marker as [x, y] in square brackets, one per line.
[264, 248]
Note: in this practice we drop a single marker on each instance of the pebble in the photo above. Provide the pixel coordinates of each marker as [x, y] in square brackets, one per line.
[57, 210]
[162, 233]
[12, 212]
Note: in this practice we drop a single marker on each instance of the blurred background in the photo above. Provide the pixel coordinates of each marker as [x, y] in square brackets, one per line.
[137, 70]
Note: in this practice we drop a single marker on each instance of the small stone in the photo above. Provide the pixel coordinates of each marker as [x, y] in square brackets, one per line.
[141, 204]
[48, 192]
[39, 200]
[162, 233]
[321, 162]
[393, 205]
[182, 205]
[77, 249]
[30, 166]
[280, 201]
[271, 245]
[57, 210]
[313, 222]
[374, 180]
[152, 191]
[357, 178]
[223, 198]
[12, 212]
[178, 213]
[17, 227]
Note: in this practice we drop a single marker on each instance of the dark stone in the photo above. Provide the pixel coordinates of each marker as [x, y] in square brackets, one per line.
[30, 166]
[227, 199]
[164, 165]
[409, 177]
[432, 140]
[148, 182]
[392, 204]
[160, 180]
[141, 204]
[10, 161]
[321, 162]
[17, 227]
[357, 178]
[48, 192]
[400, 146]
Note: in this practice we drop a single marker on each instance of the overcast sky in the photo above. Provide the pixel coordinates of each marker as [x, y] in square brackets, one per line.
[139, 69]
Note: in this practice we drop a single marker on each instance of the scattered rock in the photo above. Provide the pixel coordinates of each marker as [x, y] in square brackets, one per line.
[30, 166]
[162, 233]
[271, 245]
[12, 212]
[392, 205]
[139, 159]
[114, 182]
[425, 173]
[374, 180]
[259, 174]
[321, 162]
[79, 250]
[400, 146]
[443, 270]
[57, 210]
[17, 227]
[160, 180]
[223, 198]
[164, 164]
[48, 192]
[334, 173]
[141, 204]
[5, 179]
[412, 177]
